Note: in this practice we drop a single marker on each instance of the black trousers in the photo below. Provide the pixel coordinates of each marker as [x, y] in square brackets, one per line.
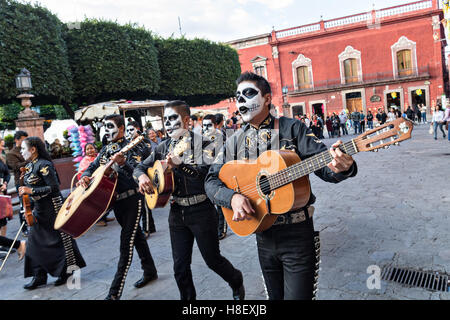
[288, 260]
[148, 224]
[197, 222]
[128, 213]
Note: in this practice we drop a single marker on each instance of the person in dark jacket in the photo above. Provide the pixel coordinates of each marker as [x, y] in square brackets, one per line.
[15, 161]
[192, 215]
[4, 179]
[286, 251]
[127, 208]
[48, 250]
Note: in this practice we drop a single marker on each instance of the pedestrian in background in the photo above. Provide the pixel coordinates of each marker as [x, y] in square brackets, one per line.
[369, 120]
[343, 120]
[362, 123]
[329, 125]
[447, 120]
[438, 121]
[423, 109]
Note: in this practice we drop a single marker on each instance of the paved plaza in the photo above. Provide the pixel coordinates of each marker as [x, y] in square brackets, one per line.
[394, 212]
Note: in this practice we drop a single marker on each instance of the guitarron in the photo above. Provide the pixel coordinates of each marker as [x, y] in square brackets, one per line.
[85, 206]
[277, 181]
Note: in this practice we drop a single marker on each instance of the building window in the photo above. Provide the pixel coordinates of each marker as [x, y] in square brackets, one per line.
[351, 70]
[404, 58]
[303, 79]
[260, 70]
[404, 63]
[302, 73]
[259, 64]
[350, 65]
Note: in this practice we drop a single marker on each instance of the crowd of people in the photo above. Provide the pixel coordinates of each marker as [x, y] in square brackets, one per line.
[198, 196]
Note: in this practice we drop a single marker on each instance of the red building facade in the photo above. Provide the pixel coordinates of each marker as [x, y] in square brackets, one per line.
[392, 56]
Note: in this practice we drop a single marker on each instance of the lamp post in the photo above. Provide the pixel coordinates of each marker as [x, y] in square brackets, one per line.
[28, 120]
[286, 105]
[23, 84]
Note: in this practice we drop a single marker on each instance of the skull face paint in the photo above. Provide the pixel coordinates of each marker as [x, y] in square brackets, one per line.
[207, 126]
[173, 123]
[131, 132]
[249, 100]
[25, 151]
[111, 130]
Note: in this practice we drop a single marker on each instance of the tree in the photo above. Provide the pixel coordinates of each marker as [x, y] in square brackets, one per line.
[31, 37]
[110, 61]
[197, 71]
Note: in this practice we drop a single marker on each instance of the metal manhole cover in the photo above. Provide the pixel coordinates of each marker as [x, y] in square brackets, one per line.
[430, 280]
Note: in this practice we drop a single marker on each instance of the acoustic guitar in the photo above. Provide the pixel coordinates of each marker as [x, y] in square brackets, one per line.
[277, 181]
[85, 206]
[161, 177]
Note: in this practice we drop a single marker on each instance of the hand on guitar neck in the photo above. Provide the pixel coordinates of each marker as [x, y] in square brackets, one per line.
[341, 161]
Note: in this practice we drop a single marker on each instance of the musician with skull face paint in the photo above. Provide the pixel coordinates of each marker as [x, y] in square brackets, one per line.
[145, 149]
[48, 251]
[286, 250]
[128, 206]
[192, 215]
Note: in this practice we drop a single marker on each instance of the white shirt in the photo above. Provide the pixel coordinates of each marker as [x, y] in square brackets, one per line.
[391, 116]
[438, 116]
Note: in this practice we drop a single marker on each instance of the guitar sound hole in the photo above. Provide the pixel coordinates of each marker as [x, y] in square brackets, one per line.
[156, 181]
[264, 185]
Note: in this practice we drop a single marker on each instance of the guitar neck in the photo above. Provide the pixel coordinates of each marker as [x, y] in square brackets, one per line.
[308, 166]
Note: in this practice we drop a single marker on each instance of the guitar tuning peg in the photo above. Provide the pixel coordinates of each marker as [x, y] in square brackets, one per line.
[386, 147]
[375, 150]
[397, 143]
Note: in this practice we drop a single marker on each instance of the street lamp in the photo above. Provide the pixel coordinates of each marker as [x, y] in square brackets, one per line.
[23, 80]
[23, 84]
[286, 105]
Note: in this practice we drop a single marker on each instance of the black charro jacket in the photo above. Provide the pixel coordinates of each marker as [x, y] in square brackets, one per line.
[190, 174]
[125, 179]
[293, 134]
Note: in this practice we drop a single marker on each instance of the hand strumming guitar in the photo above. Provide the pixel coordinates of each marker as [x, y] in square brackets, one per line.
[84, 182]
[242, 207]
[145, 184]
[25, 190]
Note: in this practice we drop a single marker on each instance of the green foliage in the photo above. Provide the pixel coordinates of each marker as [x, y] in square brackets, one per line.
[31, 37]
[197, 71]
[9, 140]
[9, 112]
[98, 145]
[110, 61]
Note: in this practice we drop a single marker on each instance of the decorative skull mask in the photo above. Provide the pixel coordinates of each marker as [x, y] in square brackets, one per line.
[173, 123]
[25, 151]
[111, 130]
[207, 126]
[131, 132]
[249, 100]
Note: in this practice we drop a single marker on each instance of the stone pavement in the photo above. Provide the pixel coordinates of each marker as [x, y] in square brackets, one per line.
[394, 212]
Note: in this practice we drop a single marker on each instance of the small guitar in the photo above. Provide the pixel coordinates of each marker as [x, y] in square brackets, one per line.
[85, 206]
[162, 177]
[277, 182]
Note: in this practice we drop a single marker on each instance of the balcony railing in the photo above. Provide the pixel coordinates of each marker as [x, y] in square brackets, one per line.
[370, 78]
[366, 17]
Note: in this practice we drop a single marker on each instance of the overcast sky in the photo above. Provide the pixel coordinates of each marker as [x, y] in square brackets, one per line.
[217, 20]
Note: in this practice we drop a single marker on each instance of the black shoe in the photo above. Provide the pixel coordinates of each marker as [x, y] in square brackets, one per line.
[35, 282]
[145, 280]
[111, 297]
[222, 235]
[2, 255]
[239, 293]
[61, 280]
[152, 230]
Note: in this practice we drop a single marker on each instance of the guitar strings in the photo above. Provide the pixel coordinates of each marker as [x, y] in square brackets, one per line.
[251, 189]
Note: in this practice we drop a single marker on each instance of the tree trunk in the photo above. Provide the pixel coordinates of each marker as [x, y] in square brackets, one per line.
[69, 110]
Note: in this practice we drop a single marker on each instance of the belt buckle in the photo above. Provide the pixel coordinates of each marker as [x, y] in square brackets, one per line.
[185, 202]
